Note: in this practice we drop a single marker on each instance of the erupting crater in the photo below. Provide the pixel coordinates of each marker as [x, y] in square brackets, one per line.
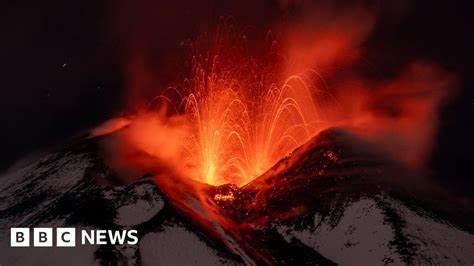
[245, 147]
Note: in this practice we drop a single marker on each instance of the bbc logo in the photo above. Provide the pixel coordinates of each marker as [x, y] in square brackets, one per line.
[42, 237]
[66, 237]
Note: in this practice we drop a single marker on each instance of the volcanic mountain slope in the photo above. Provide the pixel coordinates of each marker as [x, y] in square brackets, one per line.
[334, 200]
[356, 206]
[74, 188]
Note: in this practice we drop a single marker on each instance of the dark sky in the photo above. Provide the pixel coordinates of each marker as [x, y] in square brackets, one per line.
[62, 65]
[58, 75]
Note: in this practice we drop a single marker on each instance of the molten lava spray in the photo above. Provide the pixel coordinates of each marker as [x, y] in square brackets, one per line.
[237, 115]
[240, 108]
[241, 117]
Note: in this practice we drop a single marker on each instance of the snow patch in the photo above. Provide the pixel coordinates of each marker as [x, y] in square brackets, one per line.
[178, 246]
[138, 212]
[437, 243]
[360, 238]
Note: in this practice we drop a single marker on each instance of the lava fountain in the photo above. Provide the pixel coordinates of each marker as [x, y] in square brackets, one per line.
[241, 120]
[237, 114]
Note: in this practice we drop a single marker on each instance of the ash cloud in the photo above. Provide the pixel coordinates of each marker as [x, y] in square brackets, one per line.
[400, 112]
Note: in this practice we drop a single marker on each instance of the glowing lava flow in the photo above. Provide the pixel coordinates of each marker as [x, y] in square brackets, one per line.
[241, 121]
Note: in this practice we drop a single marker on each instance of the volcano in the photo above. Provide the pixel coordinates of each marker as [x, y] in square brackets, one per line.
[337, 199]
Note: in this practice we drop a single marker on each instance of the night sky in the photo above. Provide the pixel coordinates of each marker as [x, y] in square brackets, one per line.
[62, 65]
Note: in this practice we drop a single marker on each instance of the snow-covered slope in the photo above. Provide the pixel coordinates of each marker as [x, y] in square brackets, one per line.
[335, 200]
[365, 234]
[74, 188]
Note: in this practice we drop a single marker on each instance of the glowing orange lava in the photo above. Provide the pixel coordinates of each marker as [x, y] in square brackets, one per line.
[239, 112]
[242, 119]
